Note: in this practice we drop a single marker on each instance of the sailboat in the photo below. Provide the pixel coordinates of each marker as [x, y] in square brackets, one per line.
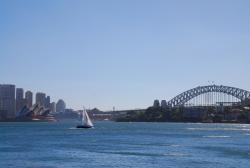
[85, 120]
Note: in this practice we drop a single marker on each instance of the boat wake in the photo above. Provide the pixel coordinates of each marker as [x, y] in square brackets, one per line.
[218, 129]
[216, 136]
[73, 128]
[148, 154]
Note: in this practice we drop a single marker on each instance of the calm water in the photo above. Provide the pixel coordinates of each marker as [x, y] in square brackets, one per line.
[124, 145]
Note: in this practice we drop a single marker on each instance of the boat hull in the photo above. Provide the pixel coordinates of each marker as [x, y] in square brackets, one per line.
[83, 126]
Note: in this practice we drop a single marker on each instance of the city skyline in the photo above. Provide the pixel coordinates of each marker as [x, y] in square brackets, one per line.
[123, 54]
[16, 103]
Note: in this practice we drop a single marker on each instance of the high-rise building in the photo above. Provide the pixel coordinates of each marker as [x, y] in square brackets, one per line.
[47, 102]
[40, 98]
[53, 107]
[19, 93]
[29, 98]
[7, 101]
[60, 106]
[20, 102]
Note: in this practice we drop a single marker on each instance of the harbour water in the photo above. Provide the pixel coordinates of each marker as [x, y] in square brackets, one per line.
[124, 145]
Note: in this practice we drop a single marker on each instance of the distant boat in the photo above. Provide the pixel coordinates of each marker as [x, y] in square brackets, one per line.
[35, 119]
[85, 120]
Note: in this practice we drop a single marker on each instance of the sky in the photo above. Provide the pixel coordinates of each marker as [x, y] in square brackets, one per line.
[123, 53]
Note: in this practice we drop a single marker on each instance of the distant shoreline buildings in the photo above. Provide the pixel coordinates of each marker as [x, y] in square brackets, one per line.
[7, 101]
[13, 102]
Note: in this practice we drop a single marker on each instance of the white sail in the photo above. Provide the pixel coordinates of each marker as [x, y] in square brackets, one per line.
[85, 119]
[88, 122]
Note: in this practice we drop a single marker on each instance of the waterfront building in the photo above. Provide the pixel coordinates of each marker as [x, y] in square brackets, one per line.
[53, 107]
[40, 98]
[20, 101]
[60, 106]
[7, 101]
[21, 104]
[29, 98]
[164, 104]
[47, 102]
[19, 93]
[156, 103]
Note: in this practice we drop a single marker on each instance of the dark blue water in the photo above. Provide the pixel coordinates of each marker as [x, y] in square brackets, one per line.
[124, 145]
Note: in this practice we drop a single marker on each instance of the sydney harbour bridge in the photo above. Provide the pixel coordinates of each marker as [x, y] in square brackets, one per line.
[210, 95]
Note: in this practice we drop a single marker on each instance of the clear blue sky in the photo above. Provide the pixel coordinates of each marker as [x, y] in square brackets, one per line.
[123, 53]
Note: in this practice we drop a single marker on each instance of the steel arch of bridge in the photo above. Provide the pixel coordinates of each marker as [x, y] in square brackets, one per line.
[184, 97]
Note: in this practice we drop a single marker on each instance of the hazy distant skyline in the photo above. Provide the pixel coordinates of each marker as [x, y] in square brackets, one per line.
[123, 53]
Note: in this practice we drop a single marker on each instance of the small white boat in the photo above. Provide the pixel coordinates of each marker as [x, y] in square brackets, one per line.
[85, 120]
[35, 119]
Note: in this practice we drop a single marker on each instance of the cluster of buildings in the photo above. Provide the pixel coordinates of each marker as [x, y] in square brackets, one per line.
[231, 112]
[13, 100]
[163, 104]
